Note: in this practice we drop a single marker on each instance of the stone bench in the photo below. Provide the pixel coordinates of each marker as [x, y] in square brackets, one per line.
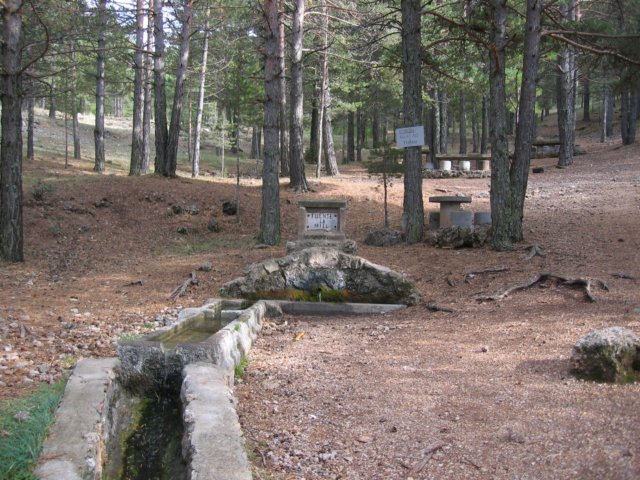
[449, 204]
[482, 161]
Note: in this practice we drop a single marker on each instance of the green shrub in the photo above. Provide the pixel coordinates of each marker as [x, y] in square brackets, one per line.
[40, 190]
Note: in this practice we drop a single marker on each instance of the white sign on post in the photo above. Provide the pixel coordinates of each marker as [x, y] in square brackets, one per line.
[410, 136]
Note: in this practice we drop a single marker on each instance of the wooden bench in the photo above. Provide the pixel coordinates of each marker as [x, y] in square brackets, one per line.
[448, 204]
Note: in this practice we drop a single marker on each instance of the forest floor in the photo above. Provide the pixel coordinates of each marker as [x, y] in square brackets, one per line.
[483, 391]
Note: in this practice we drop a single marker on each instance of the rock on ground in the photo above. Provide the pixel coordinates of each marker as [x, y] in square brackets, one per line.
[384, 237]
[318, 268]
[607, 355]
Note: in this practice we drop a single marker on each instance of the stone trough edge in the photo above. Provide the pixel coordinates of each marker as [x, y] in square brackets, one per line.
[76, 447]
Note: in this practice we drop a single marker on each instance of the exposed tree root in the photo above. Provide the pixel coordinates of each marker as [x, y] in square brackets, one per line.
[432, 307]
[534, 251]
[182, 287]
[623, 276]
[470, 275]
[584, 283]
[427, 453]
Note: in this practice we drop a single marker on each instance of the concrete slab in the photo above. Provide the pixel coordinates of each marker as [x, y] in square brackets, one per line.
[327, 308]
[74, 448]
[213, 444]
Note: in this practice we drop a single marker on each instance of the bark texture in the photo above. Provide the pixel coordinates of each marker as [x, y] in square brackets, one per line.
[31, 105]
[628, 114]
[270, 212]
[135, 165]
[98, 131]
[146, 111]
[484, 134]
[159, 92]
[296, 150]
[413, 209]
[195, 161]
[500, 207]
[284, 131]
[11, 226]
[463, 122]
[606, 126]
[566, 95]
[74, 105]
[178, 96]
[509, 180]
[351, 141]
[444, 120]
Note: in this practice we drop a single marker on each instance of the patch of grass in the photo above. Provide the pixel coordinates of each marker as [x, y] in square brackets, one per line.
[130, 336]
[23, 427]
[69, 361]
[240, 368]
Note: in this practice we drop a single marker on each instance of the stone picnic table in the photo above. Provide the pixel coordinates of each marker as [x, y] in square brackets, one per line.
[448, 204]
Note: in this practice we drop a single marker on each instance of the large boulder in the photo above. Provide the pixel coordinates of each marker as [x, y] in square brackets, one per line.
[325, 270]
[460, 237]
[385, 237]
[607, 355]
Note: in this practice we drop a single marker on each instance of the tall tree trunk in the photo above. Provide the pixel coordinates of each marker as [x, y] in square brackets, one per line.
[475, 130]
[607, 113]
[181, 75]
[11, 225]
[270, 212]
[500, 198]
[284, 131]
[351, 141]
[484, 134]
[359, 135]
[52, 100]
[159, 91]
[74, 105]
[444, 120]
[463, 123]
[375, 128]
[314, 130]
[628, 114]
[135, 165]
[328, 148]
[412, 208]
[255, 151]
[98, 131]
[195, 167]
[509, 180]
[330, 162]
[31, 105]
[434, 135]
[146, 110]
[586, 99]
[566, 95]
[296, 150]
[525, 129]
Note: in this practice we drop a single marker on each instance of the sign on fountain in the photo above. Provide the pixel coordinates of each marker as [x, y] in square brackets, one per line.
[321, 223]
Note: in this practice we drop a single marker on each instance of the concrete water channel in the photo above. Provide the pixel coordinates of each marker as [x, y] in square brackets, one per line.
[165, 408]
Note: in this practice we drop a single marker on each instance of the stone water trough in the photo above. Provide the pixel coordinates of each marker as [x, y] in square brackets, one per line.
[194, 359]
[193, 362]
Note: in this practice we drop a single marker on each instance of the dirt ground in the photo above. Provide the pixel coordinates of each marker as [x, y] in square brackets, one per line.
[480, 392]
